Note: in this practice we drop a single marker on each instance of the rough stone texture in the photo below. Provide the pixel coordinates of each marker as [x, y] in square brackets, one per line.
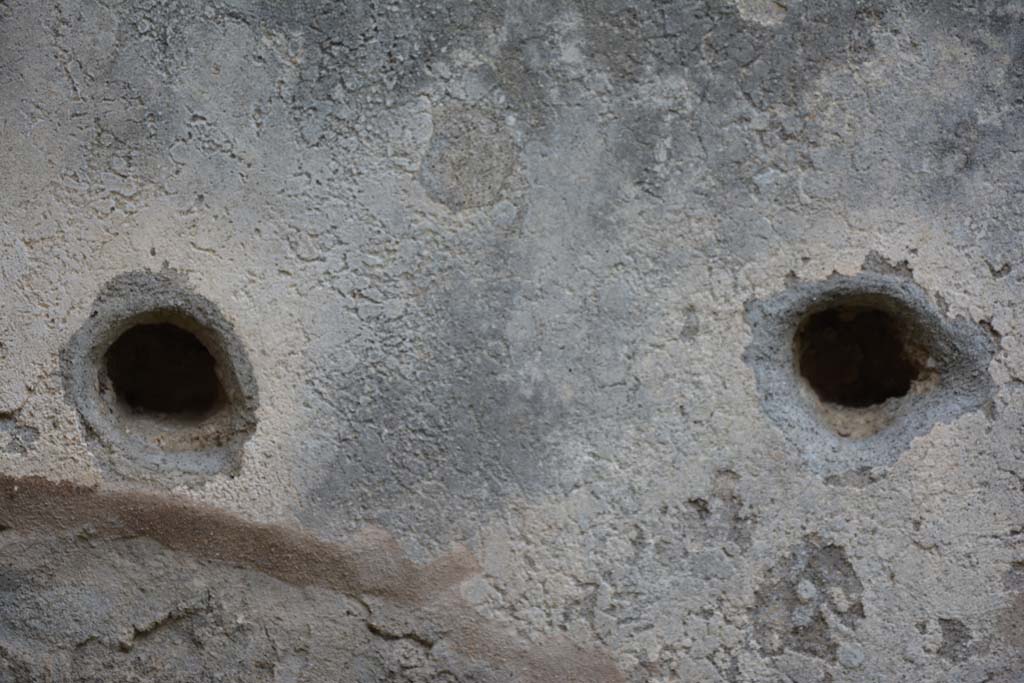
[514, 280]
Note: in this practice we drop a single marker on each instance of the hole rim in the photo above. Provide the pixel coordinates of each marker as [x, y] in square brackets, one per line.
[135, 447]
[958, 379]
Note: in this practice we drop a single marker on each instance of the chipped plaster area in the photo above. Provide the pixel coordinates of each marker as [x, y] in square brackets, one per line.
[491, 265]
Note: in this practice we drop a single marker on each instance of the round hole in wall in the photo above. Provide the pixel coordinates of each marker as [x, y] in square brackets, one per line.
[162, 369]
[162, 382]
[852, 368]
[857, 355]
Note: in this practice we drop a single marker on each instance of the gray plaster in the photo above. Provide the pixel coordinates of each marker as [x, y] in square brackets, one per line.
[513, 284]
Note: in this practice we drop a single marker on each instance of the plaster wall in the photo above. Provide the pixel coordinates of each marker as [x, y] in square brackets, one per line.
[510, 288]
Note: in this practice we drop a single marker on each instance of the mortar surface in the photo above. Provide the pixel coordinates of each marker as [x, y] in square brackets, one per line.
[502, 299]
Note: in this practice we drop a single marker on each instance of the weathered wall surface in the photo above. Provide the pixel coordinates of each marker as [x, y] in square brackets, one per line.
[509, 290]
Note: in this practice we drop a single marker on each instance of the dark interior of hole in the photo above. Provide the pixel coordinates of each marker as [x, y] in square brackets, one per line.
[161, 368]
[855, 356]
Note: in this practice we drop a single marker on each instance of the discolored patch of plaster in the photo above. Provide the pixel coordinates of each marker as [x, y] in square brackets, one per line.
[956, 640]
[371, 564]
[1013, 580]
[1008, 623]
[764, 12]
[370, 567]
[470, 158]
[16, 437]
[801, 597]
